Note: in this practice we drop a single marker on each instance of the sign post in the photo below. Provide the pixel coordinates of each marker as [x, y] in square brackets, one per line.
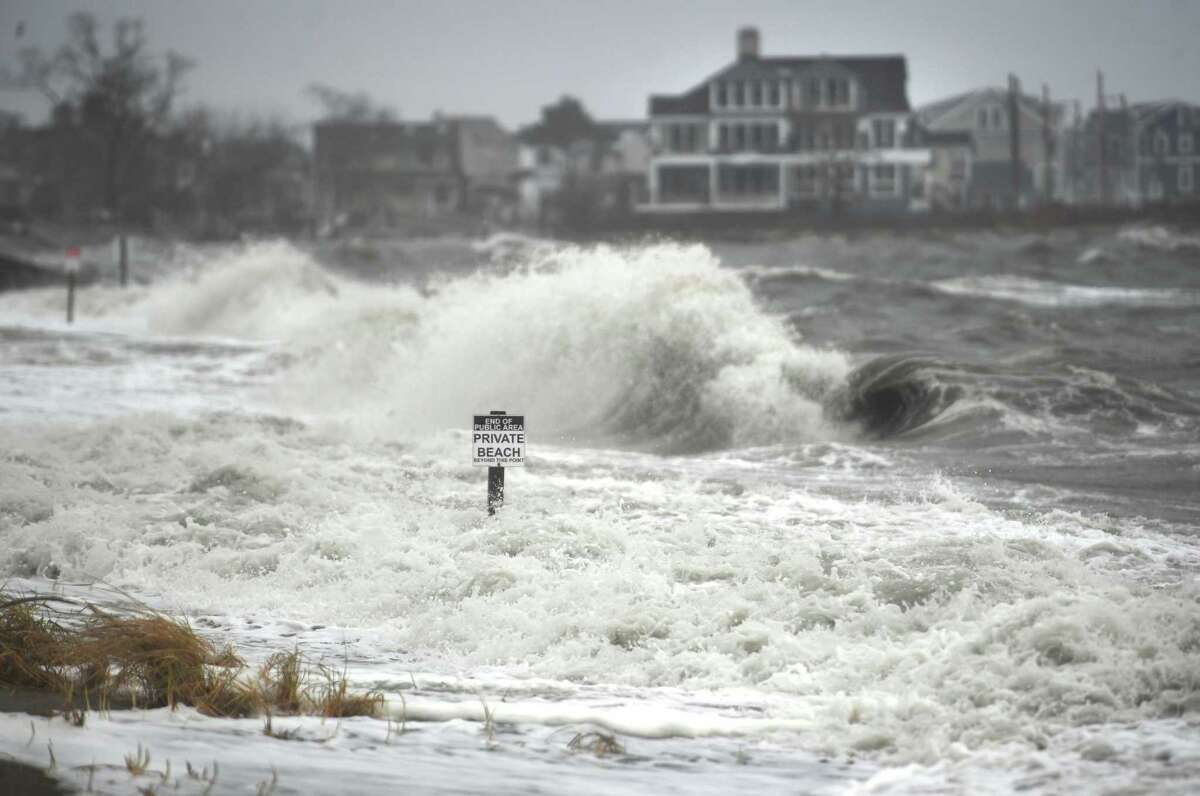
[497, 441]
[72, 269]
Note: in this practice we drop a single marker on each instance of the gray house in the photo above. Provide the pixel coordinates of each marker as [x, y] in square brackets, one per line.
[1168, 151]
[984, 114]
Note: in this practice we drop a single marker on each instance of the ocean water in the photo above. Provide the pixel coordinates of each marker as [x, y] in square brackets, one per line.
[883, 514]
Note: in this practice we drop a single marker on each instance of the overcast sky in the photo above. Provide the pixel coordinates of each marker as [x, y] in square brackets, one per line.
[507, 58]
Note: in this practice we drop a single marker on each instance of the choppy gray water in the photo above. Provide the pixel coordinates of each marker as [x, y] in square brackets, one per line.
[878, 515]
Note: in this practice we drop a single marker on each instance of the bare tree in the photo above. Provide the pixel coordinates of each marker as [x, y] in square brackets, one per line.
[347, 106]
[119, 98]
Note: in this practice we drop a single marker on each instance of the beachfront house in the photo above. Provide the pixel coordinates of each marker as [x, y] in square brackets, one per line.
[1167, 167]
[386, 175]
[807, 134]
[986, 115]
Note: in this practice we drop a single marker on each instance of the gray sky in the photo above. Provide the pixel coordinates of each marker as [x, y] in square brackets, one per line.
[508, 58]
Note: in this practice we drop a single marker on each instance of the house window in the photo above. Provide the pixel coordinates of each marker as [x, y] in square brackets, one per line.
[756, 94]
[723, 137]
[824, 139]
[721, 94]
[837, 92]
[844, 136]
[1186, 179]
[812, 93]
[739, 137]
[804, 138]
[1161, 143]
[845, 178]
[748, 180]
[1185, 143]
[773, 94]
[885, 133]
[737, 94]
[883, 179]
[997, 118]
[769, 137]
[806, 180]
[982, 119]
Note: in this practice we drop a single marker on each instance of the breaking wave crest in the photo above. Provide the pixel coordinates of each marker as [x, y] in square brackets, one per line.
[652, 346]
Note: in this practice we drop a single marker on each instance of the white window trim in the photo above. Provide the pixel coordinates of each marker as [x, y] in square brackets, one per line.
[876, 185]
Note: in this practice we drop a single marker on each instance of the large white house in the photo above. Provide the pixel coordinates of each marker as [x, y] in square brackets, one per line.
[815, 133]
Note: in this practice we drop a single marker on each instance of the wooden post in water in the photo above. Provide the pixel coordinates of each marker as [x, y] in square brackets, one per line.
[123, 257]
[72, 269]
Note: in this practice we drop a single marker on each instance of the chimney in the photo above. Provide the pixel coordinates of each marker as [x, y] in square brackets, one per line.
[747, 44]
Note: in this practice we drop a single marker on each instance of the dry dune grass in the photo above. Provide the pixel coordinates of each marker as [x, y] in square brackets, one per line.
[90, 656]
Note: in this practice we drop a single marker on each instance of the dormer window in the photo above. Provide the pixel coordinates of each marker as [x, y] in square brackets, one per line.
[837, 92]
[722, 96]
[773, 94]
[738, 96]
[884, 132]
[756, 94]
[812, 93]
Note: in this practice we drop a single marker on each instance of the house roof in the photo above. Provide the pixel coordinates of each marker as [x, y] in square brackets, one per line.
[622, 125]
[932, 111]
[693, 102]
[885, 78]
[1144, 111]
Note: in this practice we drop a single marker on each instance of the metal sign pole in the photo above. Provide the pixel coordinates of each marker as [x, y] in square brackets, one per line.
[497, 442]
[495, 482]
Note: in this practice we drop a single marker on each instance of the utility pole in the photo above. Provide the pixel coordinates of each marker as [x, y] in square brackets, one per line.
[1077, 153]
[1048, 148]
[1101, 150]
[1131, 193]
[1014, 137]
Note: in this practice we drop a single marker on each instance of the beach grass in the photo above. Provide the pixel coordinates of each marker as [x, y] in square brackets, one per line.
[90, 658]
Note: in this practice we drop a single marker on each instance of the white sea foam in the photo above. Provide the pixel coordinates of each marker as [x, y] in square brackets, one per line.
[853, 605]
[1039, 293]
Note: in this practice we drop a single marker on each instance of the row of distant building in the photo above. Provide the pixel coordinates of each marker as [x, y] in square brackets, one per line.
[768, 134]
[807, 135]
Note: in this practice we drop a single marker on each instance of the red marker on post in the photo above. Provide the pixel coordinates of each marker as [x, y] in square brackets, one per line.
[72, 269]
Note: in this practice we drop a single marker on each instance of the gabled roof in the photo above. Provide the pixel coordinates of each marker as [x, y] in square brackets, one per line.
[932, 111]
[693, 102]
[884, 78]
[1144, 111]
